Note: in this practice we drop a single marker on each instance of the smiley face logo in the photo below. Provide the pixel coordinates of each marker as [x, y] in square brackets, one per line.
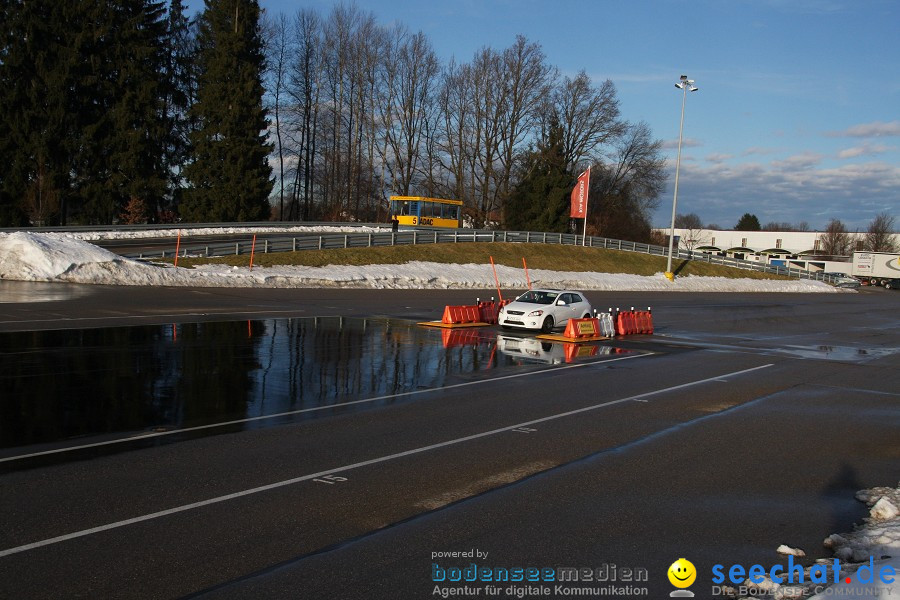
[682, 573]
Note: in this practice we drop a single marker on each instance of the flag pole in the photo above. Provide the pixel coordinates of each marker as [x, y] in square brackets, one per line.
[586, 199]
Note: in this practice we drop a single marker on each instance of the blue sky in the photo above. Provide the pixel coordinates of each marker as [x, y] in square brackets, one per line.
[798, 113]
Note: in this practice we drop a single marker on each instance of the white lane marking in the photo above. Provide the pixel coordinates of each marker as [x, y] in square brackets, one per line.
[156, 434]
[365, 463]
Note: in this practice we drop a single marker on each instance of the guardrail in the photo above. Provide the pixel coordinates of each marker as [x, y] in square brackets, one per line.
[434, 236]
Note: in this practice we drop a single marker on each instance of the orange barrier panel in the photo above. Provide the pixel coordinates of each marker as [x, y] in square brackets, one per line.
[578, 328]
[460, 314]
[630, 322]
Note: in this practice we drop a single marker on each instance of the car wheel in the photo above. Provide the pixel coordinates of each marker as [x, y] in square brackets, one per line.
[586, 316]
[547, 327]
[887, 286]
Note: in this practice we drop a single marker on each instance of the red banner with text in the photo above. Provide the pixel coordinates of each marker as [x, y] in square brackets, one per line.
[580, 195]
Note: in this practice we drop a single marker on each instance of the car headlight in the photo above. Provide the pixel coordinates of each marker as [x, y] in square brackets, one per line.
[535, 313]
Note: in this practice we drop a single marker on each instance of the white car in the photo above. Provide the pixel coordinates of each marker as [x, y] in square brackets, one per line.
[544, 310]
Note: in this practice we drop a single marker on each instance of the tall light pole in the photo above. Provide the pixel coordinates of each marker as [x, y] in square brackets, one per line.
[684, 84]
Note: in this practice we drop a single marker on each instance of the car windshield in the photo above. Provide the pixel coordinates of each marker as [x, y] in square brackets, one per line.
[538, 297]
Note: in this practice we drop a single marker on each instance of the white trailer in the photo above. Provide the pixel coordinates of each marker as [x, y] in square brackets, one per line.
[875, 266]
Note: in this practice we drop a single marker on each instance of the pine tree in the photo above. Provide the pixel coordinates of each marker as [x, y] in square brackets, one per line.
[230, 178]
[138, 136]
[747, 222]
[540, 202]
[36, 126]
[179, 92]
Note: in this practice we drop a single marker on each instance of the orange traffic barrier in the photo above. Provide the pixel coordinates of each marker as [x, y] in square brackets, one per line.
[579, 328]
[460, 314]
[630, 322]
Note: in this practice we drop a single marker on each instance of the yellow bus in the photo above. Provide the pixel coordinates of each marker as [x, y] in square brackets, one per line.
[426, 212]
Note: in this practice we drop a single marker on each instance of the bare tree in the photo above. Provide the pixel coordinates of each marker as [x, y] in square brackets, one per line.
[588, 115]
[411, 70]
[525, 79]
[305, 90]
[41, 200]
[628, 186]
[879, 236]
[693, 230]
[278, 47]
[835, 241]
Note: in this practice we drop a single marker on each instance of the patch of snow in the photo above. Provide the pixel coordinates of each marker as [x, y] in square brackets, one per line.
[61, 257]
[157, 233]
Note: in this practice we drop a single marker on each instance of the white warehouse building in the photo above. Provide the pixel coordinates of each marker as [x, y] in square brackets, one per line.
[799, 249]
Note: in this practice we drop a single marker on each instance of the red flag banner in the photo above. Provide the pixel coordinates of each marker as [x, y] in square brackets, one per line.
[580, 195]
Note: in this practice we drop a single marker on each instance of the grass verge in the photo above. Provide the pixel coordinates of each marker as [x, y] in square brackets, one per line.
[538, 256]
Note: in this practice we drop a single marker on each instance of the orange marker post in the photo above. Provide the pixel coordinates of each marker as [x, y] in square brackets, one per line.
[528, 279]
[252, 249]
[497, 281]
[177, 246]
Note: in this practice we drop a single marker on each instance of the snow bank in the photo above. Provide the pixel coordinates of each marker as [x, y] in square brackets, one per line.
[157, 233]
[60, 257]
[876, 540]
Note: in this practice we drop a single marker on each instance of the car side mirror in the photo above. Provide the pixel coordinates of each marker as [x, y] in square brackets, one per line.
[560, 302]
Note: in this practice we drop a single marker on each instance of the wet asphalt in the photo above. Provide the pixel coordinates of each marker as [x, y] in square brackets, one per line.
[746, 421]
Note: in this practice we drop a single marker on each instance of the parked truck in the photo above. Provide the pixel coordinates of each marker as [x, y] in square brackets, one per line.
[875, 267]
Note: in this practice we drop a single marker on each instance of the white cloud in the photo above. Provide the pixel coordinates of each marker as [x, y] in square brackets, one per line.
[802, 161]
[873, 129]
[686, 143]
[718, 157]
[865, 150]
[758, 150]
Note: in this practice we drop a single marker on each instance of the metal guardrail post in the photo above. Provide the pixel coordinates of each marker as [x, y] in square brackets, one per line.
[237, 248]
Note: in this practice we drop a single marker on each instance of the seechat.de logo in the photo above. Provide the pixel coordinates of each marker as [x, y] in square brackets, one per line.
[682, 574]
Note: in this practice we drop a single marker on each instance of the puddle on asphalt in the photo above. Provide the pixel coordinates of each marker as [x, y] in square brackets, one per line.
[840, 353]
[36, 291]
[812, 351]
[65, 384]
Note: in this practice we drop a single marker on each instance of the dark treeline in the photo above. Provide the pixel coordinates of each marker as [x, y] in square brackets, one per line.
[126, 110]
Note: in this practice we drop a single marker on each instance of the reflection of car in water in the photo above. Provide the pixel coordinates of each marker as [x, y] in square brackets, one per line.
[553, 353]
[544, 310]
[532, 349]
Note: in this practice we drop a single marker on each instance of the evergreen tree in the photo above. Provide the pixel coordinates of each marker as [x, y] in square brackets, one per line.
[138, 132]
[36, 129]
[179, 93]
[748, 222]
[230, 177]
[541, 200]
